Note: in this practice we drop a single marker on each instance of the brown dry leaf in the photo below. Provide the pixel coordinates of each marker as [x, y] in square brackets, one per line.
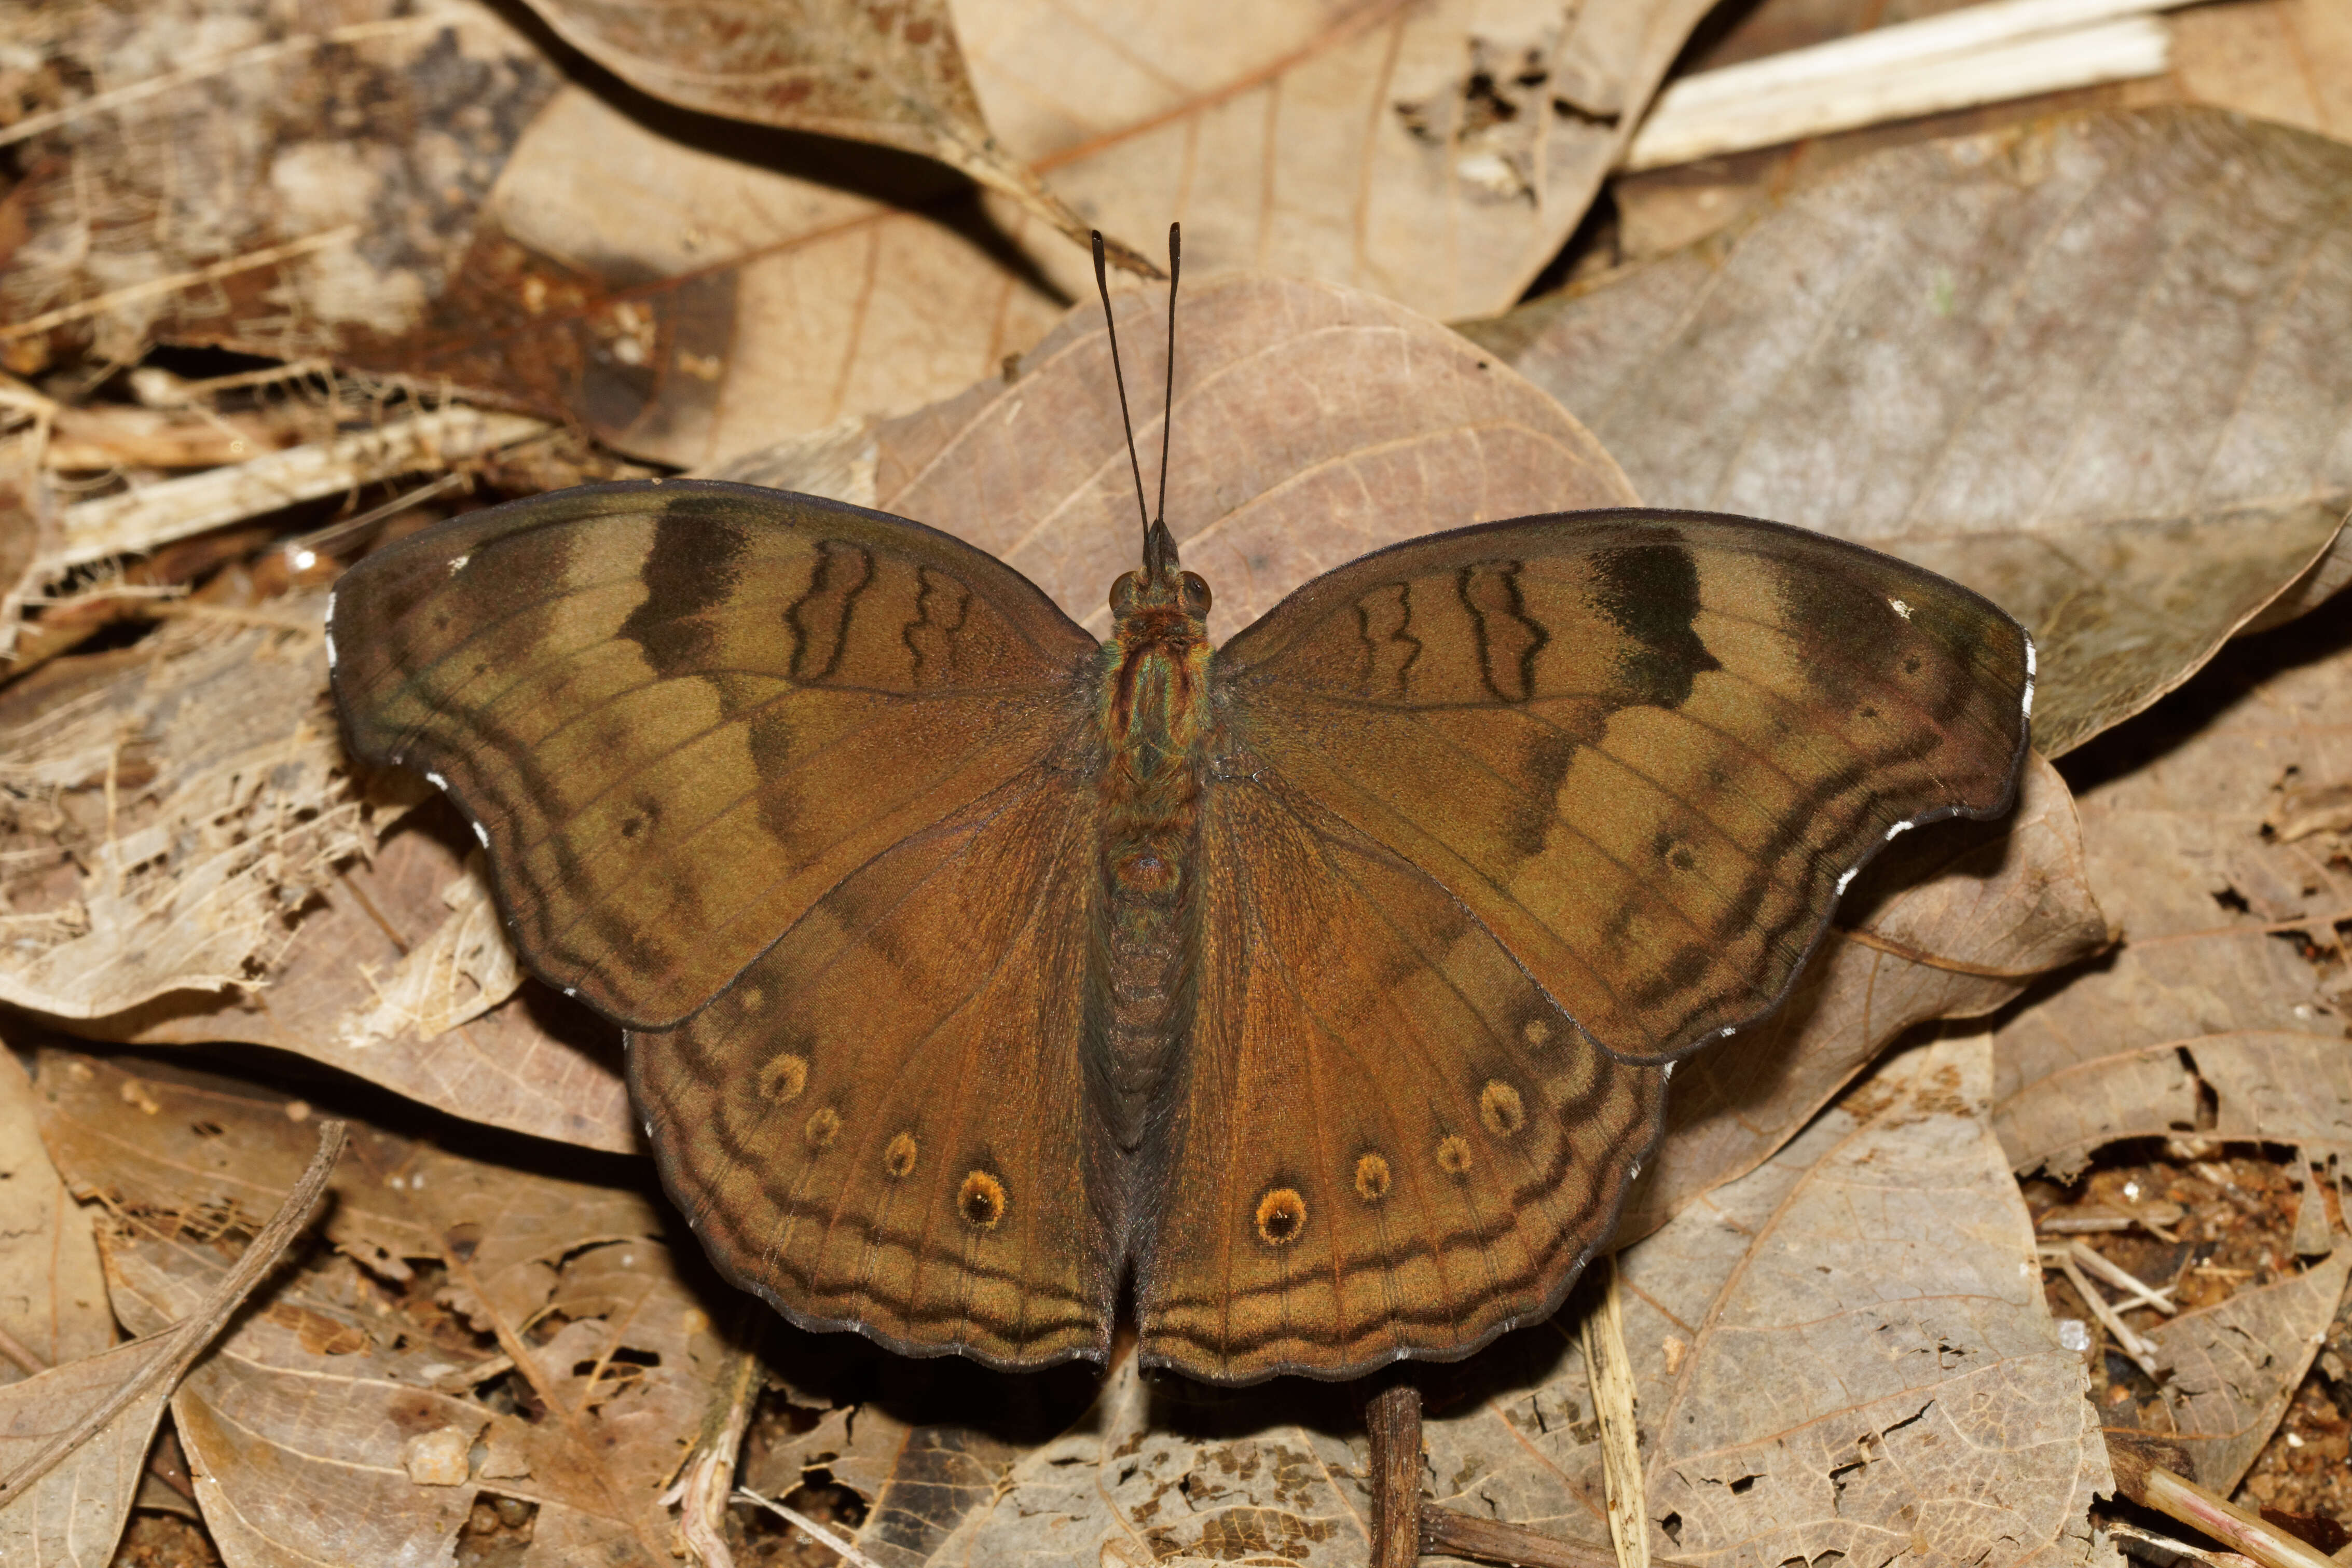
[2081, 367]
[1769, 1352]
[889, 74]
[2231, 940]
[1313, 424]
[688, 291]
[183, 867]
[293, 181]
[687, 301]
[1440, 153]
[166, 808]
[74, 1514]
[1880, 1370]
[2270, 59]
[2235, 1366]
[2267, 1086]
[1949, 923]
[402, 975]
[357, 1412]
[52, 1291]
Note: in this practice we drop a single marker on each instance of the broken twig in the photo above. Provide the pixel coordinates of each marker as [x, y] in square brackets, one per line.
[196, 1331]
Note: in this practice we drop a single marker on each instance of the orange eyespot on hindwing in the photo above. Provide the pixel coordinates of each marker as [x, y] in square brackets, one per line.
[1500, 1108]
[981, 1199]
[1372, 1178]
[1281, 1216]
[822, 1127]
[1453, 1155]
[899, 1158]
[783, 1078]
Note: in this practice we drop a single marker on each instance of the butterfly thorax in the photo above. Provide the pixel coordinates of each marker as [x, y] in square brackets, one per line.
[1155, 718]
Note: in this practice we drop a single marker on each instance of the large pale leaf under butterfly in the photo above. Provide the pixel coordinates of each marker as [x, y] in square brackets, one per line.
[1323, 987]
[826, 807]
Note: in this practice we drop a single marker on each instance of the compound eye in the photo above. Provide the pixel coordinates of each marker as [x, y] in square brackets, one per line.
[1126, 591]
[1196, 594]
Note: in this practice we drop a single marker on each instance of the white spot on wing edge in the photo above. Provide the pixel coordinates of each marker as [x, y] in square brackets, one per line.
[458, 564]
[331, 631]
[483, 833]
[2030, 663]
[1669, 1074]
[435, 780]
[1897, 831]
[1899, 607]
[1846, 881]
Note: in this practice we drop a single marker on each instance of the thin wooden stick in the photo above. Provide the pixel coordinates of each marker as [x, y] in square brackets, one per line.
[1392, 1416]
[841, 1546]
[195, 1331]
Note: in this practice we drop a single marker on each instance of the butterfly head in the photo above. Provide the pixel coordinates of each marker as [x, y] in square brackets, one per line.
[1160, 584]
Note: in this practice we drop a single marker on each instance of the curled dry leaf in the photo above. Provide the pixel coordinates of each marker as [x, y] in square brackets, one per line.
[1950, 923]
[2081, 367]
[2265, 1085]
[1788, 1407]
[542, 1319]
[2236, 1365]
[887, 74]
[1312, 424]
[2231, 946]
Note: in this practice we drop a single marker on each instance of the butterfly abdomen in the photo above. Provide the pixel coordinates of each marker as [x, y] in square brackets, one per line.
[1154, 715]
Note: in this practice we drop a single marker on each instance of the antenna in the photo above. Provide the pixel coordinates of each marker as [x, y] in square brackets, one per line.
[1102, 286]
[1168, 398]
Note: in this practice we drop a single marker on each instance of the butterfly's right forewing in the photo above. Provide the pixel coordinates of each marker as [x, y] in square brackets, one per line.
[677, 714]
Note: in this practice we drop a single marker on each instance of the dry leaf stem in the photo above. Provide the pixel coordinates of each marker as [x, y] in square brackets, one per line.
[196, 1331]
[1405, 1528]
[2130, 1343]
[847, 1550]
[1611, 1372]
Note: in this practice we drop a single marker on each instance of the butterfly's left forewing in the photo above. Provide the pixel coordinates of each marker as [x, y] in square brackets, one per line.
[1646, 750]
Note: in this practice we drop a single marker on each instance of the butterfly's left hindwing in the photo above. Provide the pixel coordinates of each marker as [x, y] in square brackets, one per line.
[1386, 1139]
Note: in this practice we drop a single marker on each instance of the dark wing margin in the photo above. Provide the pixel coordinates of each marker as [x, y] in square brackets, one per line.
[678, 712]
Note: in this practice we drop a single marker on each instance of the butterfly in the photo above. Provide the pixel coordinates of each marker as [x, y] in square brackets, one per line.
[1320, 989]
